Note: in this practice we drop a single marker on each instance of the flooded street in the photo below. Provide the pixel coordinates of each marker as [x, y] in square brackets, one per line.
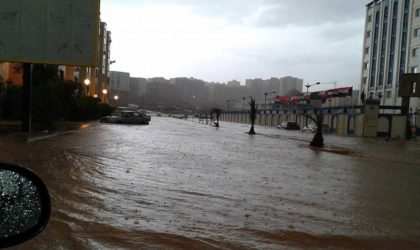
[178, 184]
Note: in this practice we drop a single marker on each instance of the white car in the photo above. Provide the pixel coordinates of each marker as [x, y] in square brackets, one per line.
[312, 127]
[126, 117]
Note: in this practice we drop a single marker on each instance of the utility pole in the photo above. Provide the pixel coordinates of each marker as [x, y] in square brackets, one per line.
[27, 98]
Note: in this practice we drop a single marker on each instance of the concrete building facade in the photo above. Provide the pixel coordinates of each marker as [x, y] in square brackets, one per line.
[282, 86]
[119, 81]
[391, 47]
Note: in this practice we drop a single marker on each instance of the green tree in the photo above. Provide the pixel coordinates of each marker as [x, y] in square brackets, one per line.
[318, 140]
[52, 99]
[11, 101]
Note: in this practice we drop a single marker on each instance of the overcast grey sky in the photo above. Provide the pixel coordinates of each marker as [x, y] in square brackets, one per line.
[222, 40]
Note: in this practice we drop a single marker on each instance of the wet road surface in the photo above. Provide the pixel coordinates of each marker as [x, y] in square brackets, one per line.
[178, 184]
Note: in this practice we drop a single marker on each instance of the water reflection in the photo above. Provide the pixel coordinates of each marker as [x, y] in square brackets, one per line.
[182, 184]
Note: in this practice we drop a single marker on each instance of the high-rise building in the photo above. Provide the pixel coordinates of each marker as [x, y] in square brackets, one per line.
[120, 81]
[103, 58]
[391, 47]
[99, 75]
[282, 86]
[138, 86]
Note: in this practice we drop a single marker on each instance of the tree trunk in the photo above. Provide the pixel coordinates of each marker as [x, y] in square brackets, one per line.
[318, 140]
[252, 131]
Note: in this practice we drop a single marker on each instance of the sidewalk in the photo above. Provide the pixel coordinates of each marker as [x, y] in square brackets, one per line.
[11, 130]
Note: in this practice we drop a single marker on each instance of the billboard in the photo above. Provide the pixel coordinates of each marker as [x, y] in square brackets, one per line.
[63, 32]
[409, 85]
[320, 95]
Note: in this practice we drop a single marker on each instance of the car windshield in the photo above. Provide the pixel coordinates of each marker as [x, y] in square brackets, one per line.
[179, 124]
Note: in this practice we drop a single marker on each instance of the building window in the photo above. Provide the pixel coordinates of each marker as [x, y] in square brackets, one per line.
[415, 52]
[369, 19]
[374, 51]
[393, 41]
[417, 12]
[388, 94]
[417, 32]
[367, 50]
[414, 85]
[383, 45]
[404, 35]
[413, 69]
[368, 34]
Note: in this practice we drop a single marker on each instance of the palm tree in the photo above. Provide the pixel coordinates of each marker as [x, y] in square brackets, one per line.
[217, 112]
[318, 140]
[252, 116]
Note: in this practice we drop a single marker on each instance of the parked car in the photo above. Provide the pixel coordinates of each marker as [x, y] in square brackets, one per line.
[132, 107]
[312, 127]
[126, 117]
[289, 125]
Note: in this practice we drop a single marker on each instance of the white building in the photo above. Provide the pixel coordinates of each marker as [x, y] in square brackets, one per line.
[391, 47]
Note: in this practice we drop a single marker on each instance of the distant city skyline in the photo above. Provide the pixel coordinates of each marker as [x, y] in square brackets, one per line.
[221, 41]
[188, 92]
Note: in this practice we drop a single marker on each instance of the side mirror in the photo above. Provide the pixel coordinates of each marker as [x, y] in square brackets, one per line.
[25, 205]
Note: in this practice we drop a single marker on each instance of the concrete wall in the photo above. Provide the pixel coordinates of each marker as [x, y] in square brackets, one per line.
[371, 120]
[398, 127]
[369, 124]
[358, 128]
[342, 125]
[383, 125]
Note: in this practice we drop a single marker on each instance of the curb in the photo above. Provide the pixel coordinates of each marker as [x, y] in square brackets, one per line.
[42, 137]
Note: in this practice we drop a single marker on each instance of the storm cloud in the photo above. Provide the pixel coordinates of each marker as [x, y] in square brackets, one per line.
[221, 40]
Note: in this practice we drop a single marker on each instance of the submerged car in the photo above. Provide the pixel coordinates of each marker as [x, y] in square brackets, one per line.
[312, 127]
[289, 125]
[126, 117]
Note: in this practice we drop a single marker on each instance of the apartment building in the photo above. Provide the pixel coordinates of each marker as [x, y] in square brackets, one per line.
[99, 76]
[120, 81]
[282, 86]
[391, 47]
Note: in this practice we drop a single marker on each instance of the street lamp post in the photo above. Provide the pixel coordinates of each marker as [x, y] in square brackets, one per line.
[243, 103]
[87, 82]
[265, 99]
[265, 104]
[310, 85]
[193, 108]
[228, 103]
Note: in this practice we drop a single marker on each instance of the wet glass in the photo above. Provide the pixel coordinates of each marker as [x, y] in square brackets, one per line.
[20, 204]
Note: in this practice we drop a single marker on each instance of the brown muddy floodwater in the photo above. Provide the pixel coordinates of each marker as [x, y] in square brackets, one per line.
[179, 184]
